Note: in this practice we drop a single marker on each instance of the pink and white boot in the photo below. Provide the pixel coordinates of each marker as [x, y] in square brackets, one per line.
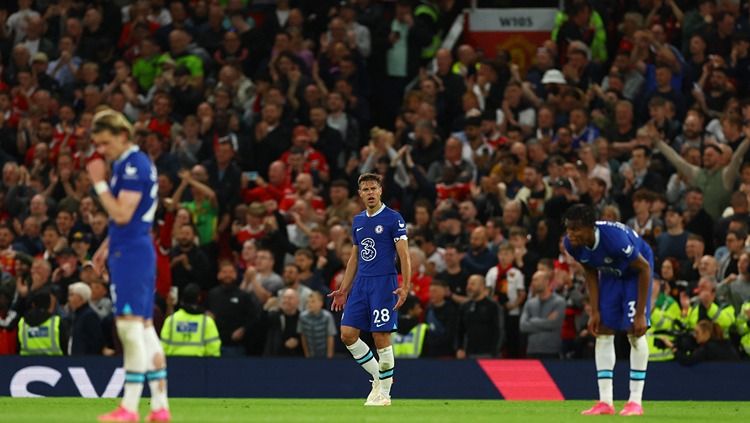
[599, 409]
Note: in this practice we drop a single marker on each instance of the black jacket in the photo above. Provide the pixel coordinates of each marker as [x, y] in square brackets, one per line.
[86, 336]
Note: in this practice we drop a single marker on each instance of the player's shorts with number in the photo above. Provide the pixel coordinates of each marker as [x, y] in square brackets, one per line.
[132, 270]
[617, 300]
[370, 304]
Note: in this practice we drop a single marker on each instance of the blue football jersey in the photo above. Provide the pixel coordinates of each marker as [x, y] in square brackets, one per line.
[376, 236]
[616, 246]
[133, 171]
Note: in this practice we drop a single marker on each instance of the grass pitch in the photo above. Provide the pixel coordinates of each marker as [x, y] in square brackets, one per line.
[75, 410]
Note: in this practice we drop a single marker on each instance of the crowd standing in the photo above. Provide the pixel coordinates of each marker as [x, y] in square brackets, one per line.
[259, 117]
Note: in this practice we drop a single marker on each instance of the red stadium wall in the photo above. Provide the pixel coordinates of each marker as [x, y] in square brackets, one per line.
[94, 377]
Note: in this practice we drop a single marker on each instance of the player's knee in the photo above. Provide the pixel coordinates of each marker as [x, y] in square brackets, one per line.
[348, 337]
[159, 361]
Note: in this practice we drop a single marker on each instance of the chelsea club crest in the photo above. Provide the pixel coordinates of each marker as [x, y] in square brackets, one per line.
[379, 229]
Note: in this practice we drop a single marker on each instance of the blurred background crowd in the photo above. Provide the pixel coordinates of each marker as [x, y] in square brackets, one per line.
[260, 115]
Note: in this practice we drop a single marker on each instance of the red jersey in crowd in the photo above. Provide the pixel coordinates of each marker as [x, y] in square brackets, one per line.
[163, 245]
[314, 160]
[267, 192]
[316, 202]
[457, 191]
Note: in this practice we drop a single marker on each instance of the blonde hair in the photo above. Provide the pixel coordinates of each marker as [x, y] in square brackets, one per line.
[113, 121]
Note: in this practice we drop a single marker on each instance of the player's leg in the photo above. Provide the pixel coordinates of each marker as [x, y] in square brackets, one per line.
[638, 351]
[384, 321]
[604, 351]
[355, 318]
[130, 330]
[156, 375]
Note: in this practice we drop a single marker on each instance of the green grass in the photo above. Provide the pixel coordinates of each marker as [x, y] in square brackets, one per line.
[69, 410]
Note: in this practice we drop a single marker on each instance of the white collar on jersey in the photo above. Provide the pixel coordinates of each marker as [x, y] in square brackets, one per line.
[596, 239]
[382, 207]
[126, 153]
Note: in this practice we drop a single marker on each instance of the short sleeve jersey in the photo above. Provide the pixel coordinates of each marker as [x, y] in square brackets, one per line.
[616, 246]
[133, 171]
[376, 237]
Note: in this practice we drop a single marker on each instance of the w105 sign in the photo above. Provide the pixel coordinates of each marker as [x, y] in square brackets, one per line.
[44, 378]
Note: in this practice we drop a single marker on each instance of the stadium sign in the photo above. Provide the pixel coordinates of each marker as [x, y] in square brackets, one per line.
[25, 377]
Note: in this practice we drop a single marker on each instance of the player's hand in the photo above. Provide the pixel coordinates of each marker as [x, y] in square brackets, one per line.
[97, 170]
[639, 325]
[339, 299]
[98, 260]
[593, 325]
[402, 293]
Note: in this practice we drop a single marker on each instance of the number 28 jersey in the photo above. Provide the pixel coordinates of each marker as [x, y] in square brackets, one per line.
[375, 238]
[133, 171]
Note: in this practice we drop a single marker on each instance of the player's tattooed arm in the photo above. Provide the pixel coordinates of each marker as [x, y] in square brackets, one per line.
[644, 280]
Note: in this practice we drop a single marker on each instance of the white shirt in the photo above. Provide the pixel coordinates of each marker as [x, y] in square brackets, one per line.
[515, 284]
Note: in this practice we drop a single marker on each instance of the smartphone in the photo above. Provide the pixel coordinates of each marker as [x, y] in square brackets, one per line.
[251, 176]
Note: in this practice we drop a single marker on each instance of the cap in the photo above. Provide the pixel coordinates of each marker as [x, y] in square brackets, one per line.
[301, 131]
[256, 209]
[39, 56]
[563, 183]
[553, 76]
[66, 252]
[87, 263]
[81, 237]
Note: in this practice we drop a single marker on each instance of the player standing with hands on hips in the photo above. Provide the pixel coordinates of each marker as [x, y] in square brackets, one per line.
[378, 234]
[130, 199]
[618, 265]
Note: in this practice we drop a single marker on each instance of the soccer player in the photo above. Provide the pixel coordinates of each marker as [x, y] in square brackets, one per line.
[618, 265]
[378, 234]
[130, 199]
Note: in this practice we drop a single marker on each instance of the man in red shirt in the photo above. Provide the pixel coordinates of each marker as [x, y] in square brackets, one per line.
[161, 123]
[303, 190]
[276, 188]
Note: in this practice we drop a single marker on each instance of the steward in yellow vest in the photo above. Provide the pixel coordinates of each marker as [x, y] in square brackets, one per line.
[743, 327]
[706, 308]
[190, 331]
[664, 314]
[409, 339]
[39, 331]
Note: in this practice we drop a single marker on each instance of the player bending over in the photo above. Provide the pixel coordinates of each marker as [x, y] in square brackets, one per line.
[130, 200]
[618, 265]
[378, 233]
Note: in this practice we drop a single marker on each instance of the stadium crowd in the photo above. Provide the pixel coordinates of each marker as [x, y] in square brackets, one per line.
[259, 118]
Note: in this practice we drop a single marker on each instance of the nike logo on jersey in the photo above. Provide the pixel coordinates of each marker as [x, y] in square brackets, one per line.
[584, 260]
[359, 229]
[401, 225]
[628, 250]
[379, 325]
[130, 170]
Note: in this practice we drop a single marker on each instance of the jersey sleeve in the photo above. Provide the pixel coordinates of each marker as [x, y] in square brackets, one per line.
[623, 247]
[568, 247]
[354, 231]
[134, 175]
[398, 228]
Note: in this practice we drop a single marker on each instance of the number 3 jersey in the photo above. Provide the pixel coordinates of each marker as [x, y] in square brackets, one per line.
[616, 246]
[375, 237]
[133, 171]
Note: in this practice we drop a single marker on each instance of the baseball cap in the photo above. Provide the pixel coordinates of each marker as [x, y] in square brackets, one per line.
[66, 252]
[81, 237]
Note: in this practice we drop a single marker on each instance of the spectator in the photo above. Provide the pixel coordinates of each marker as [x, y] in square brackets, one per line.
[261, 281]
[292, 281]
[672, 243]
[479, 323]
[316, 328]
[190, 331]
[99, 301]
[282, 336]
[506, 285]
[234, 312]
[204, 206]
[442, 318]
[455, 274]
[711, 346]
[479, 259]
[189, 263]
[86, 336]
[735, 243]
[542, 318]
